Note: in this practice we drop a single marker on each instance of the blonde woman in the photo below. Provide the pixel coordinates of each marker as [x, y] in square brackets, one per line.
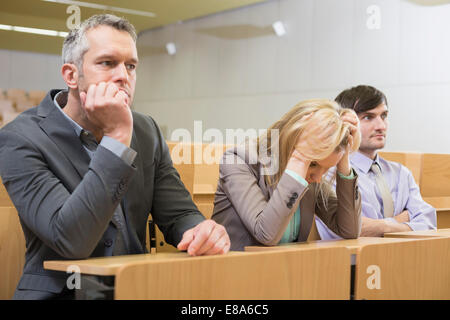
[263, 202]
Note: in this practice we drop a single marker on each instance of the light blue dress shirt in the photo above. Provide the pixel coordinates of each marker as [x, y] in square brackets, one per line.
[404, 190]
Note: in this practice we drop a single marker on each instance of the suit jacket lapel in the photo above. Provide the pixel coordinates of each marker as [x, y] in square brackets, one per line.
[307, 209]
[130, 197]
[61, 132]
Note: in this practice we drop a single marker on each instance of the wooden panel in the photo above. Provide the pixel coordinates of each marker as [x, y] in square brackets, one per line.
[407, 270]
[205, 203]
[435, 175]
[207, 171]
[161, 244]
[108, 266]
[198, 165]
[287, 274]
[5, 200]
[442, 205]
[443, 219]
[413, 161]
[12, 251]
[419, 234]
[353, 245]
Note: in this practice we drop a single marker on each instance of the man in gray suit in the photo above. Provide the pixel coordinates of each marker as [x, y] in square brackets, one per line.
[84, 171]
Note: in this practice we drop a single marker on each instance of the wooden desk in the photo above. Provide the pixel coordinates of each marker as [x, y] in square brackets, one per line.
[12, 251]
[442, 205]
[420, 234]
[411, 268]
[320, 273]
[404, 270]
[108, 266]
[353, 245]
[5, 201]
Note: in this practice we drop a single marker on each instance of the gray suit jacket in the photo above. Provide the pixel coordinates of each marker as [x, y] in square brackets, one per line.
[66, 200]
[255, 214]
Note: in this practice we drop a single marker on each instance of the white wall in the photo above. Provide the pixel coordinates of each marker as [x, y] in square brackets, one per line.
[30, 71]
[250, 82]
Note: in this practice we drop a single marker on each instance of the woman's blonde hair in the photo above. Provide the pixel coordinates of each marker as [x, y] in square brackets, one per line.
[317, 124]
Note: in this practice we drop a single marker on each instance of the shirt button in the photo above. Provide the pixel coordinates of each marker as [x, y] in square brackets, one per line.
[295, 195]
[108, 243]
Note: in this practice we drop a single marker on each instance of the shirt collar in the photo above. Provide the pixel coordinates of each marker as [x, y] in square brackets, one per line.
[78, 129]
[362, 162]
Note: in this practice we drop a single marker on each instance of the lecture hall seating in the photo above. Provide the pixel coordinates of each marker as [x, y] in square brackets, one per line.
[12, 251]
[431, 172]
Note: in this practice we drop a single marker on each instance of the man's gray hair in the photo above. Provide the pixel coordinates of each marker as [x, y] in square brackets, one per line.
[76, 44]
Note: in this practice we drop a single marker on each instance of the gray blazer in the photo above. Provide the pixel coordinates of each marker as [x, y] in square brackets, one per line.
[66, 200]
[255, 214]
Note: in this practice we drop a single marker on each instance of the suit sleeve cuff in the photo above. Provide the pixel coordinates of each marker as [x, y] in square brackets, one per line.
[297, 177]
[119, 149]
[349, 177]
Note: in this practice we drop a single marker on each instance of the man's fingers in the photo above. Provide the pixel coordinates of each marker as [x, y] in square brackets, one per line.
[111, 90]
[214, 242]
[201, 233]
[188, 236]
[206, 238]
[89, 101]
[121, 98]
[222, 246]
[100, 92]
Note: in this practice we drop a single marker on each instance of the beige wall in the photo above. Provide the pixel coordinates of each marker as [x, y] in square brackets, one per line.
[252, 77]
[30, 71]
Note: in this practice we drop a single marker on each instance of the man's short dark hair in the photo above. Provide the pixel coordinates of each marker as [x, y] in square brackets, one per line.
[361, 98]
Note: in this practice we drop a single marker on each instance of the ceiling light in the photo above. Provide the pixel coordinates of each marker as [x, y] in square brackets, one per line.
[103, 7]
[171, 48]
[279, 28]
[5, 27]
[44, 32]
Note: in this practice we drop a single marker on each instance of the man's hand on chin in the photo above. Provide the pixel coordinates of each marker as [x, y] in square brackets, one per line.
[107, 108]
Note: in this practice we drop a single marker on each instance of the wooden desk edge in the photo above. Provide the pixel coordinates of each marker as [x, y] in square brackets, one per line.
[439, 233]
[89, 267]
[353, 248]
[101, 267]
[62, 266]
[413, 236]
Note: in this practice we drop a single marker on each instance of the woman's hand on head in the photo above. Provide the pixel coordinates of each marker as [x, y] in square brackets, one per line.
[350, 117]
[353, 140]
[298, 163]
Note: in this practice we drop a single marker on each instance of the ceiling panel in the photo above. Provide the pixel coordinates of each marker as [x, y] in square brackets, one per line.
[53, 16]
